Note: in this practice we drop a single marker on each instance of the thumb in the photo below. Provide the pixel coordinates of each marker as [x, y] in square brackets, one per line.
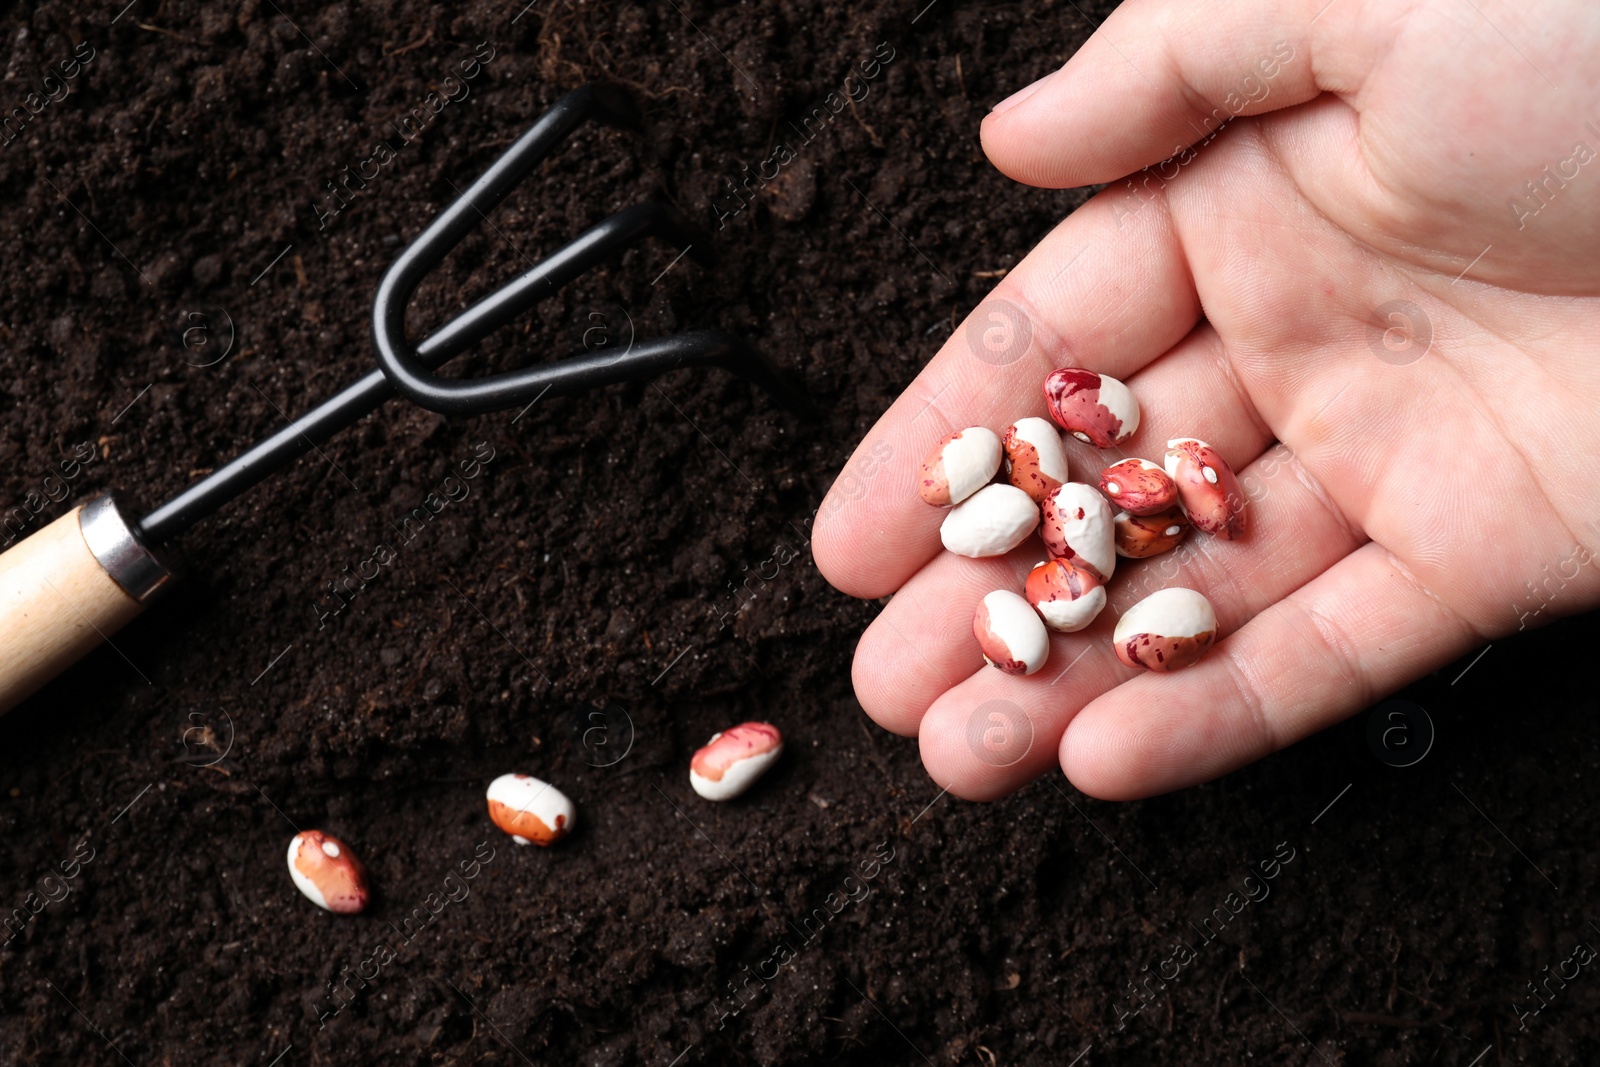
[1163, 75]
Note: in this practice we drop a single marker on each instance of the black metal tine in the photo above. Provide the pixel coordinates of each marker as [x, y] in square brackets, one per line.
[646, 359]
[599, 101]
[406, 366]
[590, 248]
[365, 396]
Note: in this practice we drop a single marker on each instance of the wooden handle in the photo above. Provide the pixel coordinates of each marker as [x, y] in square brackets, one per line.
[57, 602]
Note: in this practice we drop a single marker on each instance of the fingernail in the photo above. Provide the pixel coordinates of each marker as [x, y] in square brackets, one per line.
[1019, 96]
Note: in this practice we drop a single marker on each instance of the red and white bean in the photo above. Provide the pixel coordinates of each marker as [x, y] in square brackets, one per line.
[1207, 487]
[1010, 633]
[1096, 409]
[1068, 598]
[1077, 527]
[532, 811]
[1139, 536]
[1036, 461]
[734, 758]
[959, 465]
[327, 872]
[1138, 487]
[1166, 631]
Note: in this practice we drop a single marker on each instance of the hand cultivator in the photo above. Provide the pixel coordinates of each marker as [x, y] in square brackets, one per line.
[67, 587]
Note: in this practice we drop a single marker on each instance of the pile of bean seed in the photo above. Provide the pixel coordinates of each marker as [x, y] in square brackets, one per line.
[533, 812]
[1001, 488]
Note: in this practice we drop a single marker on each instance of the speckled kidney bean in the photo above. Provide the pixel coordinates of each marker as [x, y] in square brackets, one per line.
[1140, 536]
[1077, 527]
[959, 465]
[1009, 632]
[1138, 487]
[1096, 409]
[1068, 598]
[1166, 631]
[1210, 493]
[1036, 462]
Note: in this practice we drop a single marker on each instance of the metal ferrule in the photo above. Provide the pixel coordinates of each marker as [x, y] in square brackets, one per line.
[111, 539]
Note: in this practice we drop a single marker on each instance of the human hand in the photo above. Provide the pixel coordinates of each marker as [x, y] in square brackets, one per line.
[1354, 293]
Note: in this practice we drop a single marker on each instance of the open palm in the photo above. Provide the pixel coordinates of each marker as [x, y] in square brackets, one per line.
[1354, 292]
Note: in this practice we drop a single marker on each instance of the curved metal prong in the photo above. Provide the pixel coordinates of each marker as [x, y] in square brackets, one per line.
[646, 359]
[399, 360]
[408, 368]
[405, 370]
[595, 245]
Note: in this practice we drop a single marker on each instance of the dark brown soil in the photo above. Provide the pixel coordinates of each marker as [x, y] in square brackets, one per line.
[570, 608]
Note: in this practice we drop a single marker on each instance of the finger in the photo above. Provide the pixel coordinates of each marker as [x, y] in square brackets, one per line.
[1331, 648]
[1157, 78]
[1163, 75]
[1295, 535]
[1108, 295]
[921, 644]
